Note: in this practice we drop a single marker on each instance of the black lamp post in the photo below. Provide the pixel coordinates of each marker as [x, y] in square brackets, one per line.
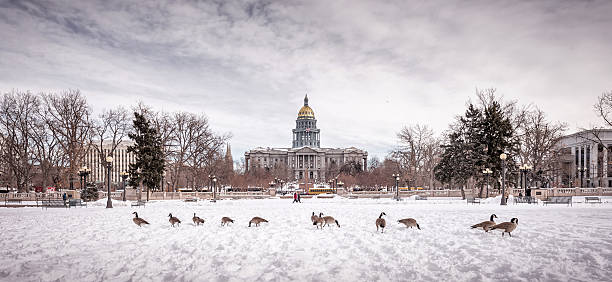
[524, 169]
[109, 165]
[213, 182]
[487, 172]
[81, 174]
[87, 172]
[581, 170]
[124, 177]
[503, 157]
[336, 185]
[397, 178]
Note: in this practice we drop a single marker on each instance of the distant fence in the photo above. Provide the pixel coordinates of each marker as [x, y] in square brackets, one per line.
[133, 194]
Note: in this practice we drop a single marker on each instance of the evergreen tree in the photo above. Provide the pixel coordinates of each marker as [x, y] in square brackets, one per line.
[476, 142]
[150, 164]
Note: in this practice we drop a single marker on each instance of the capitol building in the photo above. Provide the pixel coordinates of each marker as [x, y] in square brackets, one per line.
[306, 159]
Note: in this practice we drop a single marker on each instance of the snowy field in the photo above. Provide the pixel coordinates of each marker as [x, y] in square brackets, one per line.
[551, 243]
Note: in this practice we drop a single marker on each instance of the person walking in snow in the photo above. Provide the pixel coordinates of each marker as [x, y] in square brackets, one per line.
[299, 198]
[295, 197]
[64, 198]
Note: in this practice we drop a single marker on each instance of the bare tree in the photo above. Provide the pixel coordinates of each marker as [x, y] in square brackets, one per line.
[603, 107]
[189, 130]
[417, 154]
[18, 119]
[48, 152]
[538, 143]
[110, 129]
[67, 116]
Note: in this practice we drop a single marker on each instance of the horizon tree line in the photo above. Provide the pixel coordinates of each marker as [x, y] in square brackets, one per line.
[44, 138]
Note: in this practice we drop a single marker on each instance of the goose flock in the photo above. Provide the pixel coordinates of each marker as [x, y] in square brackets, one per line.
[321, 221]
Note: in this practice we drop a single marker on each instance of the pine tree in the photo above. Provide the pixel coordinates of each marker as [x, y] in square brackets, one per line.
[476, 142]
[150, 164]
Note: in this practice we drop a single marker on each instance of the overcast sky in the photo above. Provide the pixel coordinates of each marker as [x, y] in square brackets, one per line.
[369, 68]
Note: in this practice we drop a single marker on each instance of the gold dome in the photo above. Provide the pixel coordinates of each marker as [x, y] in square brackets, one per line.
[306, 112]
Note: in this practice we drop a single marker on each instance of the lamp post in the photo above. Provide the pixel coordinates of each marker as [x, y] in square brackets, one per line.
[503, 157]
[139, 188]
[124, 177]
[215, 190]
[213, 182]
[336, 185]
[109, 164]
[581, 170]
[397, 178]
[524, 169]
[487, 172]
[81, 174]
[87, 172]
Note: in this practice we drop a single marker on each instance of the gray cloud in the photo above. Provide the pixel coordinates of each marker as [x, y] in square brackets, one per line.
[369, 67]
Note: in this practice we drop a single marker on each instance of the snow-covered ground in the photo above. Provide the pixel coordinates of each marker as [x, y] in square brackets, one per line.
[97, 244]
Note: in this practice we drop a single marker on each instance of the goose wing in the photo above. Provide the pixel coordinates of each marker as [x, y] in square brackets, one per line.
[503, 225]
[483, 224]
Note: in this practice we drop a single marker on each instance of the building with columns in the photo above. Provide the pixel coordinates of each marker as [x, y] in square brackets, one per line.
[584, 160]
[305, 159]
[121, 161]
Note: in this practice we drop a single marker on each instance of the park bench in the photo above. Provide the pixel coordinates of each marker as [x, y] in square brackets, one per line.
[559, 200]
[191, 199]
[353, 197]
[53, 204]
[12, 201]
[472, 200]
[525, 199]
[76, 203]
[421, 198]
[596, 200]
[138, 203]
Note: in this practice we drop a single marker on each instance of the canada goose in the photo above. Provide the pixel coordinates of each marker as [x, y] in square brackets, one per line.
[173, 220]
[506, 226]
[409, 222]
[139, 221]
[380, 222]
[327, 220]
[257, 220]
[226, 220]
[313, 218]
[485, 225]
[197, 220]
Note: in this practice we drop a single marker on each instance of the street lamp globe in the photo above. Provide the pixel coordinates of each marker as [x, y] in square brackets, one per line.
[109, 159]
[503, 156]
